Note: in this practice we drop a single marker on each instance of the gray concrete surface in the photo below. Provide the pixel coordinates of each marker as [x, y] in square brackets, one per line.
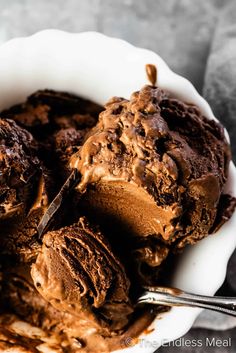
[179, 30]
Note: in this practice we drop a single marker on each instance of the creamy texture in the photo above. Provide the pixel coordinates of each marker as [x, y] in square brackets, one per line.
[20, 169]
[76, 271]
[62, 330]
[166, 161]
[19, 236]
[151, 174]
[48, 327]
[59, 122]
[23, 191]
[36, 140]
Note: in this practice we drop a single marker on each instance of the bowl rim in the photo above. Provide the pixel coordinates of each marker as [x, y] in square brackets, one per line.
[37, 63]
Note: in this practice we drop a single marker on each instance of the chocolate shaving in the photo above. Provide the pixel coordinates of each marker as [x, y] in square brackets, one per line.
[69, 184]
[151, 72]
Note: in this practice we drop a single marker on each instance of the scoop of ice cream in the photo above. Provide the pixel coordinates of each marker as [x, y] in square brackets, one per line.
[47, 109]
[20, 169]
[155, 166]
[59, 122]
[24, 191]
[19, 236]
[77, 272]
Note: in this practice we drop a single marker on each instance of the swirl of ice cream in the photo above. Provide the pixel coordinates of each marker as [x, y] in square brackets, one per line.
[154, 165]
[77, 272]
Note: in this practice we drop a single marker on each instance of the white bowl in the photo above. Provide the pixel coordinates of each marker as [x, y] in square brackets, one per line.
[97, 67]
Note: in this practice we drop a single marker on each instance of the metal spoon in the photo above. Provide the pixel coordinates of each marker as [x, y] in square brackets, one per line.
[176, 297]
[54, 206]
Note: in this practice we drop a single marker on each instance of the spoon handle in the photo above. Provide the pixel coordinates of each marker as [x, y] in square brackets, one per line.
[175, 297]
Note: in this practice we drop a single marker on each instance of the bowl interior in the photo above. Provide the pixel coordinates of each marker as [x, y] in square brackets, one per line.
[97, 67]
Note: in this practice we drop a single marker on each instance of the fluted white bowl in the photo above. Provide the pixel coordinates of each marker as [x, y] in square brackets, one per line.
[97, 67]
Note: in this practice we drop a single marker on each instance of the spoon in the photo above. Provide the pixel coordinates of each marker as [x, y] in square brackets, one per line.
[176, 297]
[54, 206]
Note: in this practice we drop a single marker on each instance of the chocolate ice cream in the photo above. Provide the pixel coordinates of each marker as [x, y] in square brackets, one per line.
[20, 169]
[51, 110]
[151, 173]
[77, 272]
[24, 185]
[51, 328]
[35, 149]
[154, 166]
[18, 236]
[58, 121]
